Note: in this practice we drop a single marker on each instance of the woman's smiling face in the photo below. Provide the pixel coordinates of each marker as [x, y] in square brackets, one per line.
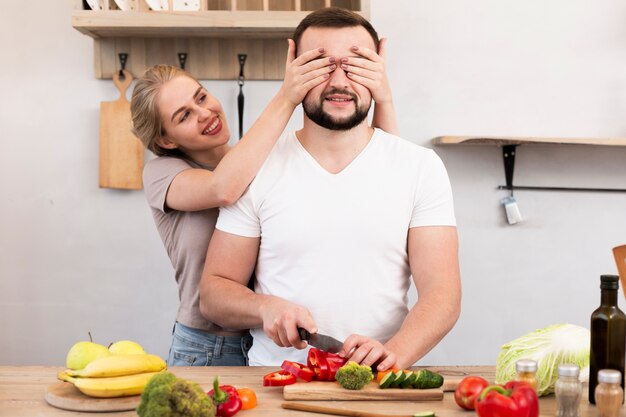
[192, 119]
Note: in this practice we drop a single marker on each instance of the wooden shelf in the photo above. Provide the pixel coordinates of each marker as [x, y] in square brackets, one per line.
[505, 140]
[214, 24]
[509, 149]
[212, 37]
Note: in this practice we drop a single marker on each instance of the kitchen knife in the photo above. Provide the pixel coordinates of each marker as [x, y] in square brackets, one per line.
[320, 341]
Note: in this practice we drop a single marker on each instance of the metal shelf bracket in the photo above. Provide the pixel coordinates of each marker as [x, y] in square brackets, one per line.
[508, 157]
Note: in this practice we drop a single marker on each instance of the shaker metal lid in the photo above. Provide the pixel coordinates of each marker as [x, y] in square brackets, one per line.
[526, 365]
[610, 376]
[569, 369]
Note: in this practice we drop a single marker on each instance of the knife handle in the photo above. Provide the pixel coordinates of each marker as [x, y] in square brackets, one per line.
[304, 334]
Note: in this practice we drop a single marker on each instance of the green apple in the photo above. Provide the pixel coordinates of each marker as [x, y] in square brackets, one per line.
[126, 347]
[82, 353]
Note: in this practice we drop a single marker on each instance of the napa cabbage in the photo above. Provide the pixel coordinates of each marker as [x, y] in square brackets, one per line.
[549, 347]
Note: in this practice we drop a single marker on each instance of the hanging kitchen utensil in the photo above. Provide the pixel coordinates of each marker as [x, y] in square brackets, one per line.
[240, 97]
[182, 59]
[121, 153]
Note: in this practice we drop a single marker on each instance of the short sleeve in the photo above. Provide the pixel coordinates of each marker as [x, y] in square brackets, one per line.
[158, 175]
[241, 218]
[433, 204]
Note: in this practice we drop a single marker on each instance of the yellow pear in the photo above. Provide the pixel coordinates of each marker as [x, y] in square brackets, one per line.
[82, 353]
[126, 347]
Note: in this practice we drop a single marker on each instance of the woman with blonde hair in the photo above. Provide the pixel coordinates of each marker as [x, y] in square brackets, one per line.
[196, 171]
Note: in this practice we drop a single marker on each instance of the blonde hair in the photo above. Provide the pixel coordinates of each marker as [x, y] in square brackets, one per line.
[145, 112]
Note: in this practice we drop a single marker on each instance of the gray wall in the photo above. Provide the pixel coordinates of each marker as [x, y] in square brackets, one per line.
[75, 258]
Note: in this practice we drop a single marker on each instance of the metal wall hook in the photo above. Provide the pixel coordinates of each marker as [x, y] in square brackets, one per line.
[242, 63]
[182, 59]
[123, 58]
[240, 97]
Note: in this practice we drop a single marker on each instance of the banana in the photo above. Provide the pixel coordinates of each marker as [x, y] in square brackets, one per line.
[119, 365]
[110, 387]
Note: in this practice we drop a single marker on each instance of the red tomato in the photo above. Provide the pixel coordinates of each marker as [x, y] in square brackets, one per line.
[468, 389]
[298, 370]
[278, 379]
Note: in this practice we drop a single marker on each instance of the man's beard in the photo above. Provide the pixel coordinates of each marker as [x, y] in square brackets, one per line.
[316, 113]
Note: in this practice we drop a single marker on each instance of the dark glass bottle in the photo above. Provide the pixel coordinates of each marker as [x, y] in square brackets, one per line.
[608, 334]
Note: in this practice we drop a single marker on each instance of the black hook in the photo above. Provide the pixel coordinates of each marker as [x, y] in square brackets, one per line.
[182, 58]
[123, 59]
[242, 63]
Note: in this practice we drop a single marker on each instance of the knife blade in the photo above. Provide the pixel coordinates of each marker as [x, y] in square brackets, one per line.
[320, 341]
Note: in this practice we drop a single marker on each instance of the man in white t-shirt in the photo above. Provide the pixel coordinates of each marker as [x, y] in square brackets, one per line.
[337, 221]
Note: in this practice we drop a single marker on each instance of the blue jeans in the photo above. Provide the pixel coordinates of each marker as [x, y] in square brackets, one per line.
[192, 347]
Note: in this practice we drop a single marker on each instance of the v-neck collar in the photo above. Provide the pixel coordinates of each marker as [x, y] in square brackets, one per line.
[307, 155]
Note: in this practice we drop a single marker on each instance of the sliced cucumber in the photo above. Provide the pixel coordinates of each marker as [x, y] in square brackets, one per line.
[400, 377]
[387, 380]
[409, 379]
[424, 414]
[427, 379]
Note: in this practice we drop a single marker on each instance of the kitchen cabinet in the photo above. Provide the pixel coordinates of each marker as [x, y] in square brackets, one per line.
[212, 35]
[509, 149]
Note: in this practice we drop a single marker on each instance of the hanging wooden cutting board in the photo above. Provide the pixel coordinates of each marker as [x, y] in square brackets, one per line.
[67, 397]
[121, 153]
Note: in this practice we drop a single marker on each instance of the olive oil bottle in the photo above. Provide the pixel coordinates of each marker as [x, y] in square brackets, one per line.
[608, 334]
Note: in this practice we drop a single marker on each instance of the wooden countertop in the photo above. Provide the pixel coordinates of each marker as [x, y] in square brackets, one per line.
[22, 391]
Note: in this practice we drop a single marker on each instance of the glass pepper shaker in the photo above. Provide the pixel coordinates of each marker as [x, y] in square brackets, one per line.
[568, 391]
[609, 393]
[527, 371]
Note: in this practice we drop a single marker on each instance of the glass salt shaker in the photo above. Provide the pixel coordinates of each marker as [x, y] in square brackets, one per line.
[568, 391]
[609, 394]
[527, 372]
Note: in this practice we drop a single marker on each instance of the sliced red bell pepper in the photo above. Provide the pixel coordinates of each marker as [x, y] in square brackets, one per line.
[226, 399]
[515, 399]
[278, 379]
[316, 360]
[334, 363]
[298, 370]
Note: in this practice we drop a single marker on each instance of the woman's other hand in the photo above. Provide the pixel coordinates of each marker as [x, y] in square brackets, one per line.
[368, 69]
[304, 72]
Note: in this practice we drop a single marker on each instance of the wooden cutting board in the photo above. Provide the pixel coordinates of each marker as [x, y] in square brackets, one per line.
[121, 153]
[332, 391]
[67, 397]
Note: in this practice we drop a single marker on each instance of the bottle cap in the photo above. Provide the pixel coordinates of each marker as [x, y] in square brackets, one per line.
[526, 365]
[569, 369]
[609, 282]
[610, 376]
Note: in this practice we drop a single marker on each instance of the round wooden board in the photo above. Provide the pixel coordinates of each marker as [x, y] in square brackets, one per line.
[67, 397]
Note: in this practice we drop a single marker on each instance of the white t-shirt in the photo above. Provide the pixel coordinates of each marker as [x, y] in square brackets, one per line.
[337, 243]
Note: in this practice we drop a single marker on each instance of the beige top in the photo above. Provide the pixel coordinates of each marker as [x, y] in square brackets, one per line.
[186, 237]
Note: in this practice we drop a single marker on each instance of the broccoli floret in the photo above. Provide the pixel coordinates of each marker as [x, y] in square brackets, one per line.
[354, 376]
[165, 395]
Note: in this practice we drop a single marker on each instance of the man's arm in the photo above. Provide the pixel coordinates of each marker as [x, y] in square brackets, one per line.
[226, 300]
[433, 258]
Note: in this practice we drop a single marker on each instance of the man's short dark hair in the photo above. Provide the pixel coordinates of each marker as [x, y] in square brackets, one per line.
[334, 17]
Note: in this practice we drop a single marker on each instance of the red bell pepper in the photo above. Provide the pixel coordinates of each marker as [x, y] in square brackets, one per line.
[226, 399]
[317, 361]
[334, 363]
[298, 370]
[278, 379]
[515, 399]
